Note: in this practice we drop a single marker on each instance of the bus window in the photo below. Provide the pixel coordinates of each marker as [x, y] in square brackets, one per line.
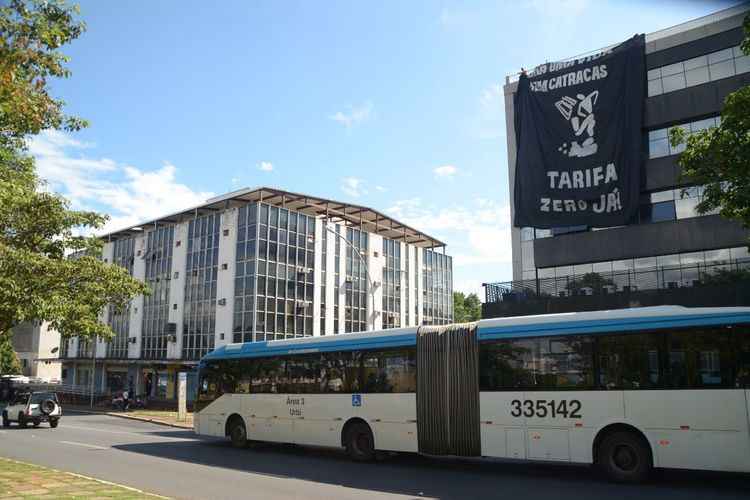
[563, 363]
[742, 377]
[505, 365]
[629, 361]
[701, 358]
[339, 372]
[389, 371]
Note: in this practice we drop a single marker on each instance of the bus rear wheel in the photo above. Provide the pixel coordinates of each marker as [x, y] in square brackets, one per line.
[238, 433]
[624, 458]
[360, 444]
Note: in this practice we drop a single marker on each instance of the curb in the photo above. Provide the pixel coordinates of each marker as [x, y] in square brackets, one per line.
[133, 417]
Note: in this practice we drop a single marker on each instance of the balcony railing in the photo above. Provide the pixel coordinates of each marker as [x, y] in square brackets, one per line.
[625, 281]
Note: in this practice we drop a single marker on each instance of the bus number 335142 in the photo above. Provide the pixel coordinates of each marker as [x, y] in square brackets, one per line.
[544, 408]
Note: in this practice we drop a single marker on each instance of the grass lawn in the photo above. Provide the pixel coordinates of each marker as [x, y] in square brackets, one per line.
[21, 480]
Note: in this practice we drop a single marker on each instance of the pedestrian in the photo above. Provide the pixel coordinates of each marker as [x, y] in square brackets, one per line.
[125, 402]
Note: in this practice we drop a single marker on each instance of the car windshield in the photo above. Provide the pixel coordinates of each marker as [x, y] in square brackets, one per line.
[38, 397]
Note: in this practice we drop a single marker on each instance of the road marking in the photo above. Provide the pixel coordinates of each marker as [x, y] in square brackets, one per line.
[85, 445]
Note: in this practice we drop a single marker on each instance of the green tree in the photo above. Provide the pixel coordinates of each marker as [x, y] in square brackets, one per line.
[466, 307]
[9, 364]
[719, 158]
[38, 227]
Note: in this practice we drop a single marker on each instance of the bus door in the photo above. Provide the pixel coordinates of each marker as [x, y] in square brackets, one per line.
[448, 390]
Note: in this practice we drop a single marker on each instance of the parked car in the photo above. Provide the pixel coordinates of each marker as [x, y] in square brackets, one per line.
[33, 408]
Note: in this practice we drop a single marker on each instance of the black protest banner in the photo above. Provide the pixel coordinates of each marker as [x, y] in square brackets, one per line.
[578, 137]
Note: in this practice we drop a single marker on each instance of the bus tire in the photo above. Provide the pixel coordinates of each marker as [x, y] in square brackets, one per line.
[624, 457]
[238, 433]
[360, 445]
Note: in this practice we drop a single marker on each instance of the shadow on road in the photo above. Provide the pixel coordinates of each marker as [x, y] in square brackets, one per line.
[416, 476]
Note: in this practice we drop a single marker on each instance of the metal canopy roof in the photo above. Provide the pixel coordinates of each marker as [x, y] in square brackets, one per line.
[350, 215]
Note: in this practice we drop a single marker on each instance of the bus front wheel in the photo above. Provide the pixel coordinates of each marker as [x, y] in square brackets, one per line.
[624, 457]
[360, 444]
[238, 433]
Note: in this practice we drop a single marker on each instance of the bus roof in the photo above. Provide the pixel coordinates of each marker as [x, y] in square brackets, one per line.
[576, 323]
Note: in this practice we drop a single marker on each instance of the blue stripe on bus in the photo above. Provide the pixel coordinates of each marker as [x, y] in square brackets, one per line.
[607, 326]
[347, 343]
[262, 349]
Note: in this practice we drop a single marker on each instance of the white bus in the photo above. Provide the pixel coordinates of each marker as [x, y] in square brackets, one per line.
[627, 390]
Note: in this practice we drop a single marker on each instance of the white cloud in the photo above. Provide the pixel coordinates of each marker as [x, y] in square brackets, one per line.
[477, 233]
[354, 116]
[130, 195]
[265, 166]
[445, 171]
[353, 186]
[381, 189]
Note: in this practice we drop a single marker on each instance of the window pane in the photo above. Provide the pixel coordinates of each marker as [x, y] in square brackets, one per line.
[742, 64]
[654, 87]
[686, 208]
[654, 74]
[699, 359]
[696, 76]
[723, 69]
[505, 365]
[721, 55]
[658, 148]
[696, 62]
[657, 134]
[672, 69]
[629, 361]
[673, 82]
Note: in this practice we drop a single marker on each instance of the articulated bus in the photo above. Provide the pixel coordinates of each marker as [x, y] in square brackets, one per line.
[627, 390]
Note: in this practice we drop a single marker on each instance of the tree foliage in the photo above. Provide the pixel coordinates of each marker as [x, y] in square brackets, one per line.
[38, 227]
[466, 307]
[719, 158]
[9, 364]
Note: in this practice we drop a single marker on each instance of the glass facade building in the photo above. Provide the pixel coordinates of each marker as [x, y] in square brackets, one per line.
[264, 265]
[691, 68]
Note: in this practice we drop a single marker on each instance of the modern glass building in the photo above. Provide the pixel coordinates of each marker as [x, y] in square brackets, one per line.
[691, 68]
[258, 265]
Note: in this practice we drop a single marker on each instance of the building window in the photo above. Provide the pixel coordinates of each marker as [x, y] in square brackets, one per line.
[336, 278]
[158, 257]
[119, 320]
[437, 288]
[391, 284]
[407, 292]
[285, 270]
[355, 312]
[698, 70]
[202, 270]
[645, 273]
[244, 278]
[323, 271]
[658, 140]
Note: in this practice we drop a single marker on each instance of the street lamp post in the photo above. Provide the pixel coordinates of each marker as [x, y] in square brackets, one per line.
[370, 283]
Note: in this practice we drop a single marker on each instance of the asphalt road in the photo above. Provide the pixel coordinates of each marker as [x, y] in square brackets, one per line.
[176, 463]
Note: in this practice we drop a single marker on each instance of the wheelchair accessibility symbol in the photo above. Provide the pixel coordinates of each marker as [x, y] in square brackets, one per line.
[356, 400]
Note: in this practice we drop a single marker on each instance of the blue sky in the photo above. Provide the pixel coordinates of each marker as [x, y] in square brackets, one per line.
[390, 104]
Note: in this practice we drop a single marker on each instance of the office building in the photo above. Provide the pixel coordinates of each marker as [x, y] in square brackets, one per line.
[258, 265]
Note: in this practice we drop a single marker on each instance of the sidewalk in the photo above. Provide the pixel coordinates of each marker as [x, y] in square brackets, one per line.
[162, 417]
[20, 480]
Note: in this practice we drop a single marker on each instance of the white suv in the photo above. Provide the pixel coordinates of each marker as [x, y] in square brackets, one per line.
[33, 408]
